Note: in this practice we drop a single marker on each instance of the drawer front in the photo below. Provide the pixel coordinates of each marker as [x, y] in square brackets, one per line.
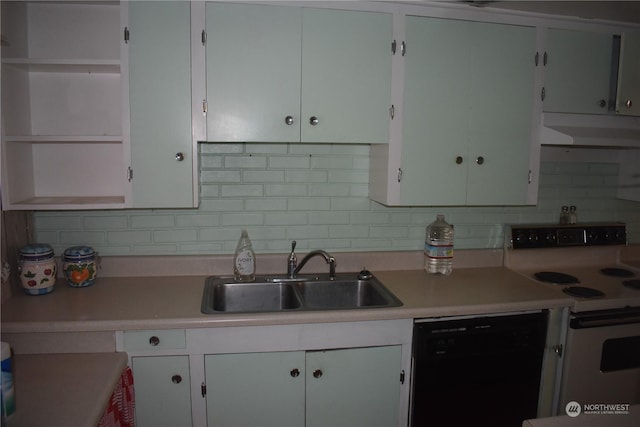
[154, 340]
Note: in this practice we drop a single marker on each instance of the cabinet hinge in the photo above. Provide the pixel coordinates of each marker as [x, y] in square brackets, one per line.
[399, 174]
[403, 48]
[392, 111]
[536, 58]
[126, 35]
[543, 94]
[393, 47]
[530, 176]
[544, 59]
[205, 106]
[402, 377]
[203, 389]
[129, 173]
[203, 37]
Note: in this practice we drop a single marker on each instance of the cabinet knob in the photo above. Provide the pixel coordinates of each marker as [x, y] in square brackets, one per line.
[313, 120]
[628, 104]
[317, 373]
[295, 372]
[154, 340]
[179, 157]
[602, 103]
[459, 160]
[480, 160]
[288, 120]
[176, 379]
[557, 349]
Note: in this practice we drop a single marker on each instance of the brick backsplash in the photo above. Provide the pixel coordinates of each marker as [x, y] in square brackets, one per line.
[317, 194]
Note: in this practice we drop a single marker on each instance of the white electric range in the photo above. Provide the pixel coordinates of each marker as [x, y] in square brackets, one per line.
[602, 349]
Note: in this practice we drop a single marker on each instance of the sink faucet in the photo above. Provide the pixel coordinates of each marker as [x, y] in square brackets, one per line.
[292, 262]
[293, 268]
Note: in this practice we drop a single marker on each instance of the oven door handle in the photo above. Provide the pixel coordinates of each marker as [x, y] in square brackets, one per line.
[598, 322]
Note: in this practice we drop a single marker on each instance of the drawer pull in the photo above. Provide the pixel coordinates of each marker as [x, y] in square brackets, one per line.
[154, 340]
[176, 379]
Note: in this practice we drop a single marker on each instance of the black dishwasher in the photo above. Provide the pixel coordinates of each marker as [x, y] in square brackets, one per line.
[478, 371]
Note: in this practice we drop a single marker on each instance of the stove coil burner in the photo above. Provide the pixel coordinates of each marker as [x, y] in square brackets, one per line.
[557, 278]
[632, 284]
[582, 292]
[617, 272]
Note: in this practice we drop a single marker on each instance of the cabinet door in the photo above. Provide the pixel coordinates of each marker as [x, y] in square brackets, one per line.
[160, 104]
[255, 389]
[501, 104]
[162, 391]
[577, 72]
[353, 387]
[435, 122]
[253, 72]
[467, 112]
[628, 102]
[346, 76]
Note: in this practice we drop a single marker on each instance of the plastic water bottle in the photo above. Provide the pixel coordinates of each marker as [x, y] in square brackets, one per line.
[438, 247]
[244, 260]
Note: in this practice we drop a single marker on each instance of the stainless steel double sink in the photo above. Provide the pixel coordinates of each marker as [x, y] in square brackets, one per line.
[346, 291]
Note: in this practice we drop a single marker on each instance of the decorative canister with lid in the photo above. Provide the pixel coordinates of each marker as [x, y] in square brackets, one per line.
[37, 269]
[80, 266]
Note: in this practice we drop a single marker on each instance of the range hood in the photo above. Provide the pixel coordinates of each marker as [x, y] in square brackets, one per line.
[590, 130]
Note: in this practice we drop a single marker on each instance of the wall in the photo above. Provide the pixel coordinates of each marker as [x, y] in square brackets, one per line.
[317, 195]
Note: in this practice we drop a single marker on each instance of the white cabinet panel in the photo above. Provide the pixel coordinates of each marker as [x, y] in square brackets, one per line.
[346, 387]
[467, 113]
[628, 102]
[160, 104]
[256, 389]
[577, 71]
[346, 76]
[253, 72]
[353, 387]
[162, 387]
[271, 69]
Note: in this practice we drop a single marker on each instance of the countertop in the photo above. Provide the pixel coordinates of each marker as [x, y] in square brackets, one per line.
[75, 387]
[130, 303]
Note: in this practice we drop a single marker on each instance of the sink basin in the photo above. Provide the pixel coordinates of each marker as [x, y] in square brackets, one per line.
[337, 294]
[306, 292]
[224, 296]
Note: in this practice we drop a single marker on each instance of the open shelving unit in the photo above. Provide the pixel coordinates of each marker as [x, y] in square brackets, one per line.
[62, 97]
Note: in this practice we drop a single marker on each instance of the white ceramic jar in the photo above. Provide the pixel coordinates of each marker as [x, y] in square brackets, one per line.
[37, 269]
[80, 266]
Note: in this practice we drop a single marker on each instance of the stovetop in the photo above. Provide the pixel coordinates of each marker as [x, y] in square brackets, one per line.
[581, 262]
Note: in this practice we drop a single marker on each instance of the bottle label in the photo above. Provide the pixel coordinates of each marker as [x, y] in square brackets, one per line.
[244, 263]
[438, 251]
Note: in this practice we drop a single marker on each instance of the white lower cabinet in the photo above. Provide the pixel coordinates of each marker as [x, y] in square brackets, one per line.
[345, 387]
[162, 388]
[302, 375]
[255, 389]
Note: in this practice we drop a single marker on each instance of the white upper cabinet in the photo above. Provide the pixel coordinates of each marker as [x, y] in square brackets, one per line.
[62, 142]
[577, 73]
[628, 102]
[253, 72]
[291, 74]
[466, 117]
[163, 159]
